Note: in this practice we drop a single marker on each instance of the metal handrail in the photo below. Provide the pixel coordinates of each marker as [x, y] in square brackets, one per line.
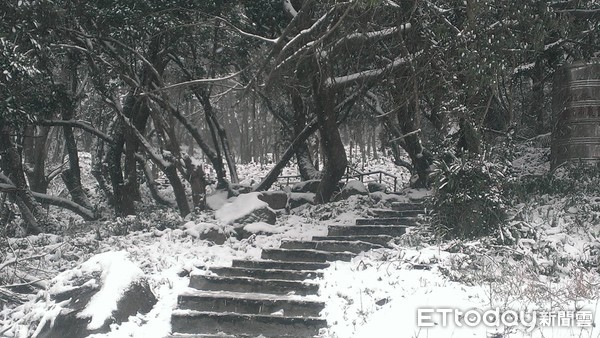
[360, 175]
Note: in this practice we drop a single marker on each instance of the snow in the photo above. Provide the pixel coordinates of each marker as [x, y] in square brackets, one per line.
[216, 200]
[240, 206]
[261, 227]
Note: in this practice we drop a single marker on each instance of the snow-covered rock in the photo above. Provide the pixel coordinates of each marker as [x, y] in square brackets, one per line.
[352, 188]
[208, 231]
[275, 199]
[105, 290]
[301, 198]
[376, 186]
[306, 186]
[245, 209]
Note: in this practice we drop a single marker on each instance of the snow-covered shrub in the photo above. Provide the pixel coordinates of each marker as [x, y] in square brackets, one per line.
[469, 200]
[569, 179]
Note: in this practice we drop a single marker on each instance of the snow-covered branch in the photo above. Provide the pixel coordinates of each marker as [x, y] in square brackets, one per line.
[244, 33]
[77, 124]
[367, 75]
[197, 81]
[355, 39]
[287, 5]
[87, 214]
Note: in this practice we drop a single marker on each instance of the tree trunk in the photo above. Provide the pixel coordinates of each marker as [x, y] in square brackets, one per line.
[99, 170]
[305, 165]
[72, 176]
[37, 154]
[197, 179]
[32, 212]
[123, 200]
[271, 177]
[333, 148]
[152, 185]
[409, 122]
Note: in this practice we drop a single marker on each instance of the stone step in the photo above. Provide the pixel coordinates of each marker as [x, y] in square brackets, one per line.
[261, 264]
[361, 230]
[354, 246]
[387, 213]
[266, 273]
[381, 240]
[200, 322]
[402, 206]
[248, 284]
[407, 221]
[305, 255]
[248, 303]
[223, 335]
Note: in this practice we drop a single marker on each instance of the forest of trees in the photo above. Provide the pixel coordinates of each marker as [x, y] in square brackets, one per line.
[142, 86]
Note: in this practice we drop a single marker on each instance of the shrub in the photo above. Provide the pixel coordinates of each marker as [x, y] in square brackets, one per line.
[468, 200]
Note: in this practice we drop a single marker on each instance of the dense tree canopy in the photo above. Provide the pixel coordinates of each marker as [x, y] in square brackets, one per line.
[141, 85]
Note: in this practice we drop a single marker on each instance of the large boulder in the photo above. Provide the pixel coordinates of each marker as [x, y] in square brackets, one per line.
[246, 209]
[275, 199]
[352, 188]
[105, 290]
[307, 186]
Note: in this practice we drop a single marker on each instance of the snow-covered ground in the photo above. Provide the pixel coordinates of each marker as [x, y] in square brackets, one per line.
[551, 269]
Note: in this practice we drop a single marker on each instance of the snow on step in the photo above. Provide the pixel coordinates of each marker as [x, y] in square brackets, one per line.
[266, 273]
[407, 221]
[249, 303]
[402, 206]
[381, 240]
[394, 213]
[354, 246]
[262, 264]
[306, 255]
[248, 284]
[204, 322]
[360, 230]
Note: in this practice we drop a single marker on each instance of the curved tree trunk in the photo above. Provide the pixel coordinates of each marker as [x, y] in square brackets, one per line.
[333, 148]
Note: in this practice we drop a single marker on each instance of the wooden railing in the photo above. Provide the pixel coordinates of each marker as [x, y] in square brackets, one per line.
[378, 176]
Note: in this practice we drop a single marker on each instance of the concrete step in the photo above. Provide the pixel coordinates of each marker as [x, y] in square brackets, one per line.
[261, 264]
[402, 206]
[305, 255]
[407, 221]
[381, 240]
[248, 284]
[361, 230]
[267, 273]
[199, 322]
[248, 303]
[354, 246]
[387, 213]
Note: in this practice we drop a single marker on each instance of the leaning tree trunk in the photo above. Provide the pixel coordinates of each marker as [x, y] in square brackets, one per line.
[32, 212]
[333, 148]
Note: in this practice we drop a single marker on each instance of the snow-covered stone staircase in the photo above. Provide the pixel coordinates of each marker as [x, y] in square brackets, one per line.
[277, 295]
